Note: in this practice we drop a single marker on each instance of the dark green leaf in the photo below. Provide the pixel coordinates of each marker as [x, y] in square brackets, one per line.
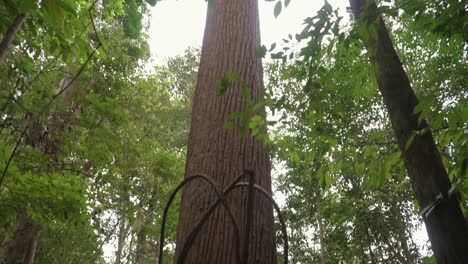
[278, 8]
[273, 46]
[261, 51]
[230, 125]
[223, 86]
[245, 91]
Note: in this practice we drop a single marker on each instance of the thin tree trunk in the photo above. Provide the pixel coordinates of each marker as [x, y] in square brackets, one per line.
[10, 35]
[371, 253]
[23, 245]
[323, 255]
[231, 37]
[401, 231]
[141, 246]
[121, 240]
[142, 243]
[446, 227]
[323, 250]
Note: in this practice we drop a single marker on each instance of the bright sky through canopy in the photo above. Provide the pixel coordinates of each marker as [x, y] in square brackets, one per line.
[176, 25]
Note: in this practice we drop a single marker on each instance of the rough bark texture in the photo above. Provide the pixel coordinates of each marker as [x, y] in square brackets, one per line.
[23, 245]
[10, 35]
[231, 37]
[446, 227]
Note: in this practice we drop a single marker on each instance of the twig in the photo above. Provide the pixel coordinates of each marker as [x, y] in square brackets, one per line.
[11, 157]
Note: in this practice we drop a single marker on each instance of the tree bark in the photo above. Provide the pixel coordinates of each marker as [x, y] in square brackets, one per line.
[371, 252]
[401, 231]
[232, 34]
[10, 35]
[23, 245]
[142, 246]
[323, 249]
[121, 240]
[446, 227]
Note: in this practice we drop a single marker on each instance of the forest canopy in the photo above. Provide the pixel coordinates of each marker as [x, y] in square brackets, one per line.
[94, 136]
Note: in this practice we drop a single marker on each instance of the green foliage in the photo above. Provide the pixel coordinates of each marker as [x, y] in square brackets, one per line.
[223, 85]
[97, 160]
[278, 8]
[103, 142]
[337, 145]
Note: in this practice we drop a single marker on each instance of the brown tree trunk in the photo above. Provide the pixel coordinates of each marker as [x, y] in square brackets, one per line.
[121, 240]
[142, 246]
[232, 34]
[401, 231]
[23, 245]
[446, 227]
[323, 249]
[371, 252]
[10, 35]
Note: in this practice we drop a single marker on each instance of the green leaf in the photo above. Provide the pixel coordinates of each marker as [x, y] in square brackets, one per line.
[320, 174]
[273, 46]
[234, 115]
[286, 3]
[53, 9]
[152, 2]
[410, 140]
[223, 86]
[328, 180]
[211, 3]
[233, 76]
[26, 5]
[230, 125]
[261, 51]
[65, 5]
[465, 114]
[278, 8]
[245, 91]
[296, 159]
[255, 131]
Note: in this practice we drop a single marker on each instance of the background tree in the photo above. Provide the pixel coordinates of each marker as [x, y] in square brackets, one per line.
[328, 47]
[444, 219]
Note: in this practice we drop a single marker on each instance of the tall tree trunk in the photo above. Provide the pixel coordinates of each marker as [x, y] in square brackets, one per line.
[323, 249]
[121, 240]
[369, 245]
[10, 35]
[142, 243]
[232, 34]
[446, 227]
[141, 246]
[401, 231]
[23, 245]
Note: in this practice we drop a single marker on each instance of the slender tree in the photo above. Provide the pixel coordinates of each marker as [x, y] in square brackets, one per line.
[441, 210]
[10, 35]
[232, 34]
